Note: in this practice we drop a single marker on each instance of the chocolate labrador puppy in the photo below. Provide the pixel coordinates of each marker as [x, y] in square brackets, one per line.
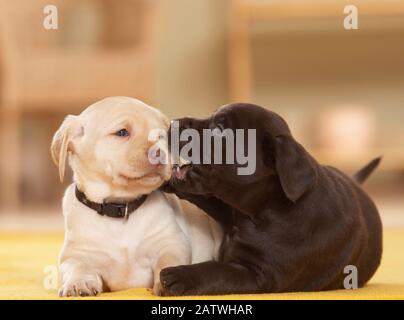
[292, 225]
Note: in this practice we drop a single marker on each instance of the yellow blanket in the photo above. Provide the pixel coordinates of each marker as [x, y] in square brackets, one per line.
[27, 262]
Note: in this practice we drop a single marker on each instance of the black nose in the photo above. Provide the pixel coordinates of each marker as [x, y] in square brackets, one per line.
[179, 125]
[186, 123]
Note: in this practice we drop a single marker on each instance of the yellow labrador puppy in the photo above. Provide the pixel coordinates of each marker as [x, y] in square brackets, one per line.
[120, 231]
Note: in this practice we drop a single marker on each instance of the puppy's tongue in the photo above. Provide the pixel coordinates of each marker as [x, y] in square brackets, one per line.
[179, 173]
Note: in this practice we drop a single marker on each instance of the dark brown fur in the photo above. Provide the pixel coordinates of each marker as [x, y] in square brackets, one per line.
[291, 226]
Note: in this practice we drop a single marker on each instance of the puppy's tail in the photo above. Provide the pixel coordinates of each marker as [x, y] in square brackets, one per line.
[365, 172]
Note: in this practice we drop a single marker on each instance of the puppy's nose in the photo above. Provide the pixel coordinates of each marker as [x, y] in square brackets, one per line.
[185, 123]
[159, 157]
[160, 153]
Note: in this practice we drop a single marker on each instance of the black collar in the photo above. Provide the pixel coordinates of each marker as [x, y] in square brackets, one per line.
[115, 210]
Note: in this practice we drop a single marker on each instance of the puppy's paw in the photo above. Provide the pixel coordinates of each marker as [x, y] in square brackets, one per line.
[158, 289]
[176, 281]
[80, 288]
[167, 187]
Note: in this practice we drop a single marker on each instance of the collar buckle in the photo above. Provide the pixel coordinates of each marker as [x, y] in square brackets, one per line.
[126, 211]
[114, 210]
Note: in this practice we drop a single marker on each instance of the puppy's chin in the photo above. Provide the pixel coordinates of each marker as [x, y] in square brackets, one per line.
[187, 179]
[154, 177]
[180, 172]
[152, 182]
[146, 180]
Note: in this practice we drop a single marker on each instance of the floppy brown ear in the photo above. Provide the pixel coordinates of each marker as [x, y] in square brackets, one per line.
[60, 144]
[295, 168]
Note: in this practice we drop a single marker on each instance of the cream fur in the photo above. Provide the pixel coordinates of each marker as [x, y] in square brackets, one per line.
[102, 253]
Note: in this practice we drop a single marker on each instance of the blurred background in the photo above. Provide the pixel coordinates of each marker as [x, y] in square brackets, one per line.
[341, 91]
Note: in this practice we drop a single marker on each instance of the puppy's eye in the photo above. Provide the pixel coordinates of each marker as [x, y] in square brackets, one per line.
[219, 130]
[220, 126]
[122, 133]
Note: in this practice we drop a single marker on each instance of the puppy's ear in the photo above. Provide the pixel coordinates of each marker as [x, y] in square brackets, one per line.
[61, 144]
[294, 166]
[165, 120]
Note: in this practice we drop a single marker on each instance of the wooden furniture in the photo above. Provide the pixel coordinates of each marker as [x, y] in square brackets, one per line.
[51, 71]
[292, 16]
[244, 13]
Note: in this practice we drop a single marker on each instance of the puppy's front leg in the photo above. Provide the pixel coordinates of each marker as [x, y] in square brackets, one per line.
[79, 280]
[209, 278]
[214, 207]
[164, 261]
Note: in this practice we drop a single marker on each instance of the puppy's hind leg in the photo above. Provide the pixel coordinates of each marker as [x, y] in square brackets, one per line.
[79, 280]
[208, 278]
